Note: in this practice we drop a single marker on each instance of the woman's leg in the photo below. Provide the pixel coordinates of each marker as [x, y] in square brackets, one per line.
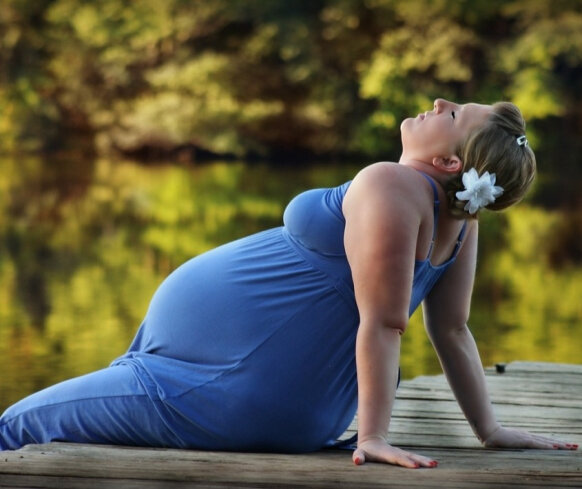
[109, 406]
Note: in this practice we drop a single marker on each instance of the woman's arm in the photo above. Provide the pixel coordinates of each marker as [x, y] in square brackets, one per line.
[446, 311]
[382, 224]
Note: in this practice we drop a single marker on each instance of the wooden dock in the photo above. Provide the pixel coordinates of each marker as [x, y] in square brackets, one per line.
[545, 398]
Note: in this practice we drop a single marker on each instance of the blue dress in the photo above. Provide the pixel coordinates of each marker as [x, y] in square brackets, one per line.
[248, 347]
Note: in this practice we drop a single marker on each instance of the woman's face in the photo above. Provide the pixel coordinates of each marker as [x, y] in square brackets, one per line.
[439, 132]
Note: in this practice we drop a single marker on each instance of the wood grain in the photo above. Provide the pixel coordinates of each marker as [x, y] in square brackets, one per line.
[544, 398]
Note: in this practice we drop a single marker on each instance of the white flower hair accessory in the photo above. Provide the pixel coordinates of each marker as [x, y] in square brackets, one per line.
[479, 190]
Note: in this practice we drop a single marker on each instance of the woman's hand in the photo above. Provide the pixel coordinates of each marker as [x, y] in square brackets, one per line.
[512, 438]
[377, 450]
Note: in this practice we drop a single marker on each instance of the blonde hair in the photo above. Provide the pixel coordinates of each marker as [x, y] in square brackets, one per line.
[493, 147]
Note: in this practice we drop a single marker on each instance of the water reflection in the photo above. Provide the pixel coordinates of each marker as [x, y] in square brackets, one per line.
[83, 245]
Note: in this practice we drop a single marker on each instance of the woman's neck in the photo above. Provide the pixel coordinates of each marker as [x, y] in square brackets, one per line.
[426, 167]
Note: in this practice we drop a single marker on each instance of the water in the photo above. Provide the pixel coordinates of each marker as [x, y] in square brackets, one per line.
[84, 244]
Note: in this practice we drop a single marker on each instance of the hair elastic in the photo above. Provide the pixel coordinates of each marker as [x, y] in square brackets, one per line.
[522, 140]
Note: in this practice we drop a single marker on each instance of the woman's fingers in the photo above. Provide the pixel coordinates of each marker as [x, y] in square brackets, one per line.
[512, 438]
[359, 456]
[420, 460]
[544, 442]
[382, 452]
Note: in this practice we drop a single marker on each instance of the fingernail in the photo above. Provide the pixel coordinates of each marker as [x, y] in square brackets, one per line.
[434, 463]
[358, 461]
[416, 465]
[556, 446]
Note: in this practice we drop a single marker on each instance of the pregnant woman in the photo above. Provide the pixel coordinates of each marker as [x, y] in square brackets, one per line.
[272, 342]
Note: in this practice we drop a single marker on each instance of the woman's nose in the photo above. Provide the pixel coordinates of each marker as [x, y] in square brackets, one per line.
[439, 103]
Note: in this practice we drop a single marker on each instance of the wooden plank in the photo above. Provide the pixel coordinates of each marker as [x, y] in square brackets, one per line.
[426, 419]
[457, 467]
[542, 367]
[506, 386]
[50, 482]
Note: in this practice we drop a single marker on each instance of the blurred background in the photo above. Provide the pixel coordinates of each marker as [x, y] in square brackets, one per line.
[135, 135]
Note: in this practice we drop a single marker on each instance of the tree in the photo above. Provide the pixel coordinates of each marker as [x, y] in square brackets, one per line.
[316, 78]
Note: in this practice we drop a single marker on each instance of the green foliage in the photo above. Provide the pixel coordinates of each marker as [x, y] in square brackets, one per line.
[541, 57]
[540, 302]
[270, 78]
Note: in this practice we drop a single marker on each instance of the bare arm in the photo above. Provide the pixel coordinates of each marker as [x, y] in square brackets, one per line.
[446, 311]
[382, 223]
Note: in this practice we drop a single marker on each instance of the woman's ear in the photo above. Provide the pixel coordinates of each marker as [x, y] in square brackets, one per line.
[448, 164]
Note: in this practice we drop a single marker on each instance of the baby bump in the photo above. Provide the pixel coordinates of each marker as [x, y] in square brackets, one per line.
[217, 307]
[296, 390]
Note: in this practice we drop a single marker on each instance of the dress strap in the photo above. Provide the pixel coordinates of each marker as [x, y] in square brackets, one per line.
[460, 240]
[436, 216]
[435, 212]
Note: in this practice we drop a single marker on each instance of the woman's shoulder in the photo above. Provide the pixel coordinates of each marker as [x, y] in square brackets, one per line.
[385, 188]
[388, 178]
